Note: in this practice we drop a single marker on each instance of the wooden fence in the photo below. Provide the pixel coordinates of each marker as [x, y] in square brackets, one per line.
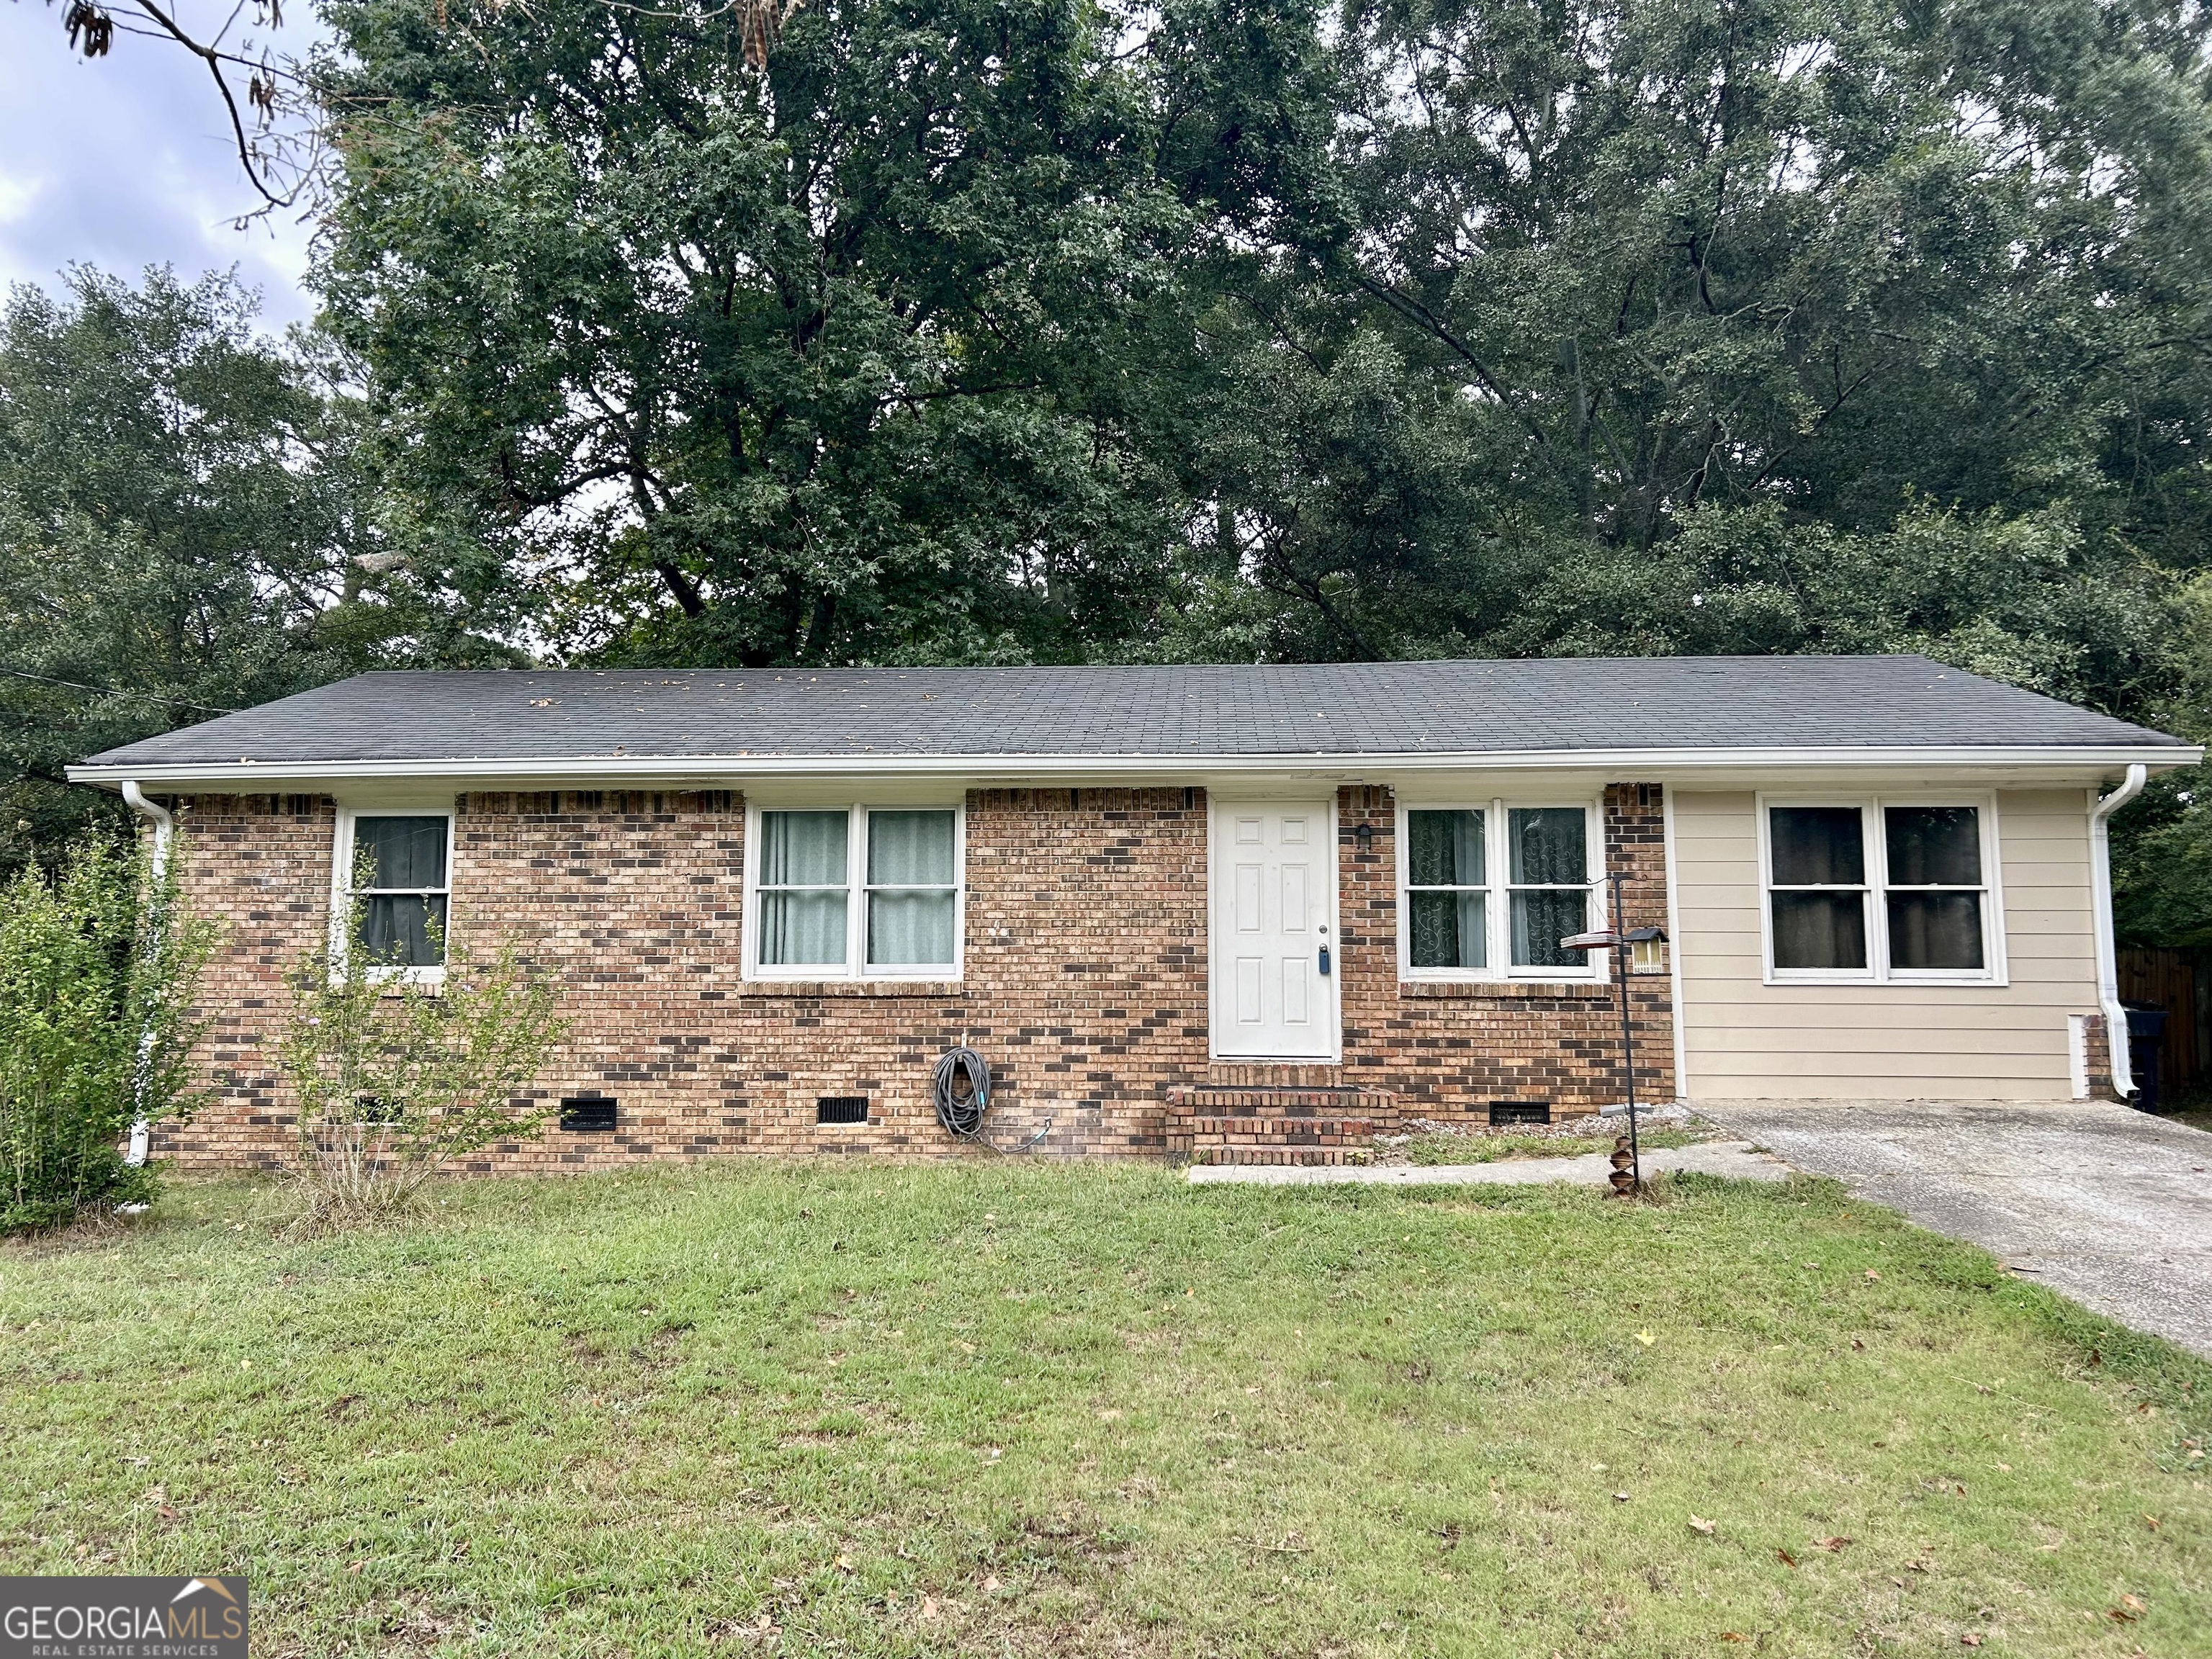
[2168, 979]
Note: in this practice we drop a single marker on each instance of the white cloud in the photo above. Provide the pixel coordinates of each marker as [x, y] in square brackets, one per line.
[16, 196]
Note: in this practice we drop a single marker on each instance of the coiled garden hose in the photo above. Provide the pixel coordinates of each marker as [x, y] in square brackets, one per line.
[962, 1088]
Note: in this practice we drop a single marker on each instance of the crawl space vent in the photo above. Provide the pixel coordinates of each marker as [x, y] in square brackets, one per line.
[1519, 1111]
[842, 1108]
[588, 1113]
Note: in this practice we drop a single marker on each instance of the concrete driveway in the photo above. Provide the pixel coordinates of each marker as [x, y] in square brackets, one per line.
[2107, 1205]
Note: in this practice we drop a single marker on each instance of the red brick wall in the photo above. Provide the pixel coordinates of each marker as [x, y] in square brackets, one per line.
[260, 866]
[1449, 1049]
[1085, 977]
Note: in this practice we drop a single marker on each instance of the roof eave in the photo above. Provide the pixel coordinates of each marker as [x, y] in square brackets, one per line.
[265, 776]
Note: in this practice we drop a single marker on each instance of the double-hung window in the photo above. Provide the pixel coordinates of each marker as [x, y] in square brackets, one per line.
[1489, 891]
[392, 889]
[1881, 890]
[1448, 889]
[856, 892]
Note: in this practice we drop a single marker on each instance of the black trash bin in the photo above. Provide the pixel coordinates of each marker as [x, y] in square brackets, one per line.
[2146, 1033]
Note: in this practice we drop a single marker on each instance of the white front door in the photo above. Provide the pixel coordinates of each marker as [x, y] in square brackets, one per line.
[1274, 952]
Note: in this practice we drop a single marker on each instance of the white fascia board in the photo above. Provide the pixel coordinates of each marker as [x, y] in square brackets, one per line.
[2056, 762]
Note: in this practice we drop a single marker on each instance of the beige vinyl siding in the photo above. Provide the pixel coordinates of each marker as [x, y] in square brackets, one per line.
[1744, 1038]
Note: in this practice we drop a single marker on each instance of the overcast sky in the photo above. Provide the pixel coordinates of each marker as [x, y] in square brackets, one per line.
[126, 163]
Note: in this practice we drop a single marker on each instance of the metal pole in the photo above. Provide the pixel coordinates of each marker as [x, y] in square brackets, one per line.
[1627, 1041]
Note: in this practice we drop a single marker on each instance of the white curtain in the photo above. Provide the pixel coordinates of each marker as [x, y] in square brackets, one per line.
[911, 903]
[802, 889]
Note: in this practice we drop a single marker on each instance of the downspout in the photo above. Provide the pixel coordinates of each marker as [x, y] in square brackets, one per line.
[2101, 899]
[158, 867]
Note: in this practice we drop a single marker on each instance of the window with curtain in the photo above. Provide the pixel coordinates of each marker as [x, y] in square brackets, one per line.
[1491, 892]
[1933, 892]
[1550, 883]
[912, 889]
[1817, 856]
[804, 890]
[1877, 890]
[858, 890]
[400, 890]
[1447, 892]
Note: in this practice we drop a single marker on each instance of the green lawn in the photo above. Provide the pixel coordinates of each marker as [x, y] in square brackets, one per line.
[860, 1408]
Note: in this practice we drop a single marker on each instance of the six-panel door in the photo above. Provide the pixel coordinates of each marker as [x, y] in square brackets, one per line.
[1274, 936]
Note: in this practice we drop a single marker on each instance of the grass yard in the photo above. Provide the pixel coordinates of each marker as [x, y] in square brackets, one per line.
[1007, 1408]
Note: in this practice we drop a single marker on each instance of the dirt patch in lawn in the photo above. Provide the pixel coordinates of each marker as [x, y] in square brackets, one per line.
[1428, 1143]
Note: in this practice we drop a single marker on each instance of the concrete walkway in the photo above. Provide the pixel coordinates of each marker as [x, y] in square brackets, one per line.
[1713, 1158]
[2111, 1206]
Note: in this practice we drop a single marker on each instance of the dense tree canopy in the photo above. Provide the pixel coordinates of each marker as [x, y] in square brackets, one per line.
[1607, 265]
[1055, 330]
[179, 527]
[859, 358]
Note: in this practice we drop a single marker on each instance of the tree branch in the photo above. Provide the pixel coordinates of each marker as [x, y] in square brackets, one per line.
[214, 60]
[1409, 307]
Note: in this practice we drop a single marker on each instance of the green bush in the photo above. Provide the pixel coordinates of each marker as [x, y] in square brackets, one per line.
[98, 967]
[395, 1079]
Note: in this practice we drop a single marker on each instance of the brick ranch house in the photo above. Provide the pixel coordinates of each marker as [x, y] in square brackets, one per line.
[1253, 912]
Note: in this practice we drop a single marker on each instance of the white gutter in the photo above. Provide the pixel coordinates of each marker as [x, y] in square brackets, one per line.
[2108, 965]
[251, 776]
[142, 1135]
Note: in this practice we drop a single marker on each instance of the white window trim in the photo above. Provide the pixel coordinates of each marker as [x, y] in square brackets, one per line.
[341, 895]
[856, 891]
[1498, 910]
[1874, 837]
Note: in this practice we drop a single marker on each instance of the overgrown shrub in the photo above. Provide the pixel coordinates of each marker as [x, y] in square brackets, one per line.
[98, 967]
[396, 1078]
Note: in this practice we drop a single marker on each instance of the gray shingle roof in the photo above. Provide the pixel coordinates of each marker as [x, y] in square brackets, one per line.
[1476, 708]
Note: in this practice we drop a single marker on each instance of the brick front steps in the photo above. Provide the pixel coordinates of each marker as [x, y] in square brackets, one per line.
[1303, 1126]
